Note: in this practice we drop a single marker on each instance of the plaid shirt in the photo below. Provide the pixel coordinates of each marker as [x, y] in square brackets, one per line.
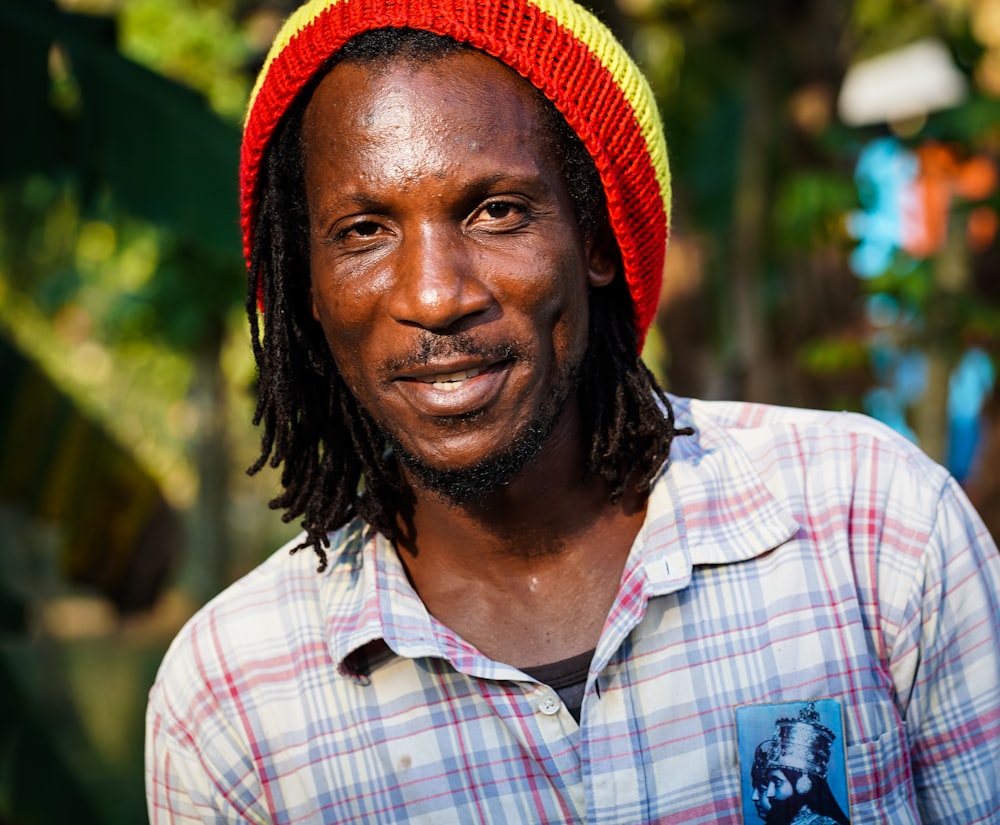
[786, 555]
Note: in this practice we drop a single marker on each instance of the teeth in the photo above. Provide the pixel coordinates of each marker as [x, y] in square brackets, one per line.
[450, 381]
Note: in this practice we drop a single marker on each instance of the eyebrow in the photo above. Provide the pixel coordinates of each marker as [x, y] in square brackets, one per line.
[533, 183]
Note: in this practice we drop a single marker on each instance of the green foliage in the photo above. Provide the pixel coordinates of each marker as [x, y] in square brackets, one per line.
[975, 123]
[195, 43]
[151, 143]
[883, 25]
[118, 198]
[910, 282]
[659, 49]
[809, 210]
[830, 357]
[35, 757]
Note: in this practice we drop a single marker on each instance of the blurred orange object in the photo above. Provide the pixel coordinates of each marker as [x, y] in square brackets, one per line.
[942, 176]
[981, 229]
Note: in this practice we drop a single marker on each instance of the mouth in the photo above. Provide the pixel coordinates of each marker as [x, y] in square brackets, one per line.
[451, 381]
[454, 390]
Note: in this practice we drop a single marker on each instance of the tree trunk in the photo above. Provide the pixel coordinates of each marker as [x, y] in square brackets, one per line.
[208, 561]
[752, 366]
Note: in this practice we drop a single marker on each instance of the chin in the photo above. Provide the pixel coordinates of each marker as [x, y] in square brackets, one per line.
[482, 477]
[479, 480]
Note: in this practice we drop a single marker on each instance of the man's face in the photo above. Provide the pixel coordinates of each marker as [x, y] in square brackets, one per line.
[448, 272]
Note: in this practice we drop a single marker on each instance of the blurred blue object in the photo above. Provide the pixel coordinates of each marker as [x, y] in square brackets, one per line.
[910, 377]
[882, 310]
[885, 174]
[971, 382]
[881, 403]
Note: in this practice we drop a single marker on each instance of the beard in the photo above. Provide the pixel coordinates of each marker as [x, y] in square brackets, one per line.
[491, 473]
[486, 476]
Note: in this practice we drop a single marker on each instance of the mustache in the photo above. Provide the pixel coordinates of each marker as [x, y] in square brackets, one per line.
[432, 347]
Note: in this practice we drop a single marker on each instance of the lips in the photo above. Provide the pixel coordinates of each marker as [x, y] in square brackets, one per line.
[451, 391]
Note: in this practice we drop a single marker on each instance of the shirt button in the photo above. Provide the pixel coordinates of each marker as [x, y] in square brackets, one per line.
[549, 705]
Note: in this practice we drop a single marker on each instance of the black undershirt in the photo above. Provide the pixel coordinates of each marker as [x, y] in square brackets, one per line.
[567, 677]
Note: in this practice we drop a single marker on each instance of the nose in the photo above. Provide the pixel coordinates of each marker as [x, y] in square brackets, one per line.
[436, 284]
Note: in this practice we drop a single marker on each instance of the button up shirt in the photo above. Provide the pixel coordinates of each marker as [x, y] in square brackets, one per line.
[786, 555]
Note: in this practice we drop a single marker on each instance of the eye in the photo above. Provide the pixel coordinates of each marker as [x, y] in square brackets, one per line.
[362, 229]
[355, 232]
[497, 210]
[501, 215]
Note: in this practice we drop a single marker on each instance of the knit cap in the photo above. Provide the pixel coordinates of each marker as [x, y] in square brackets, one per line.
[559, 47]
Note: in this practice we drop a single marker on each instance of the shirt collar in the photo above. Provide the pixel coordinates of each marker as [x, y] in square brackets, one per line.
[371, 606]
[708, 505]
[369, 603]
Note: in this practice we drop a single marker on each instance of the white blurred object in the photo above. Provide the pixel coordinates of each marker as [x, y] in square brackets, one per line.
[901, 85]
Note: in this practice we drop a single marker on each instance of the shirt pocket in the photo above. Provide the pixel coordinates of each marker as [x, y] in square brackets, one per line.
[881, 781]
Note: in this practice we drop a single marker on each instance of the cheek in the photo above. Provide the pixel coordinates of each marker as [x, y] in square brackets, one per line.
[344, 311]
[343, 290]
[573, 325]
[558, 302]
[345, 333]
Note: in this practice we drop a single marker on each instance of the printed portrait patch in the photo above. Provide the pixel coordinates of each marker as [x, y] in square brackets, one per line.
[792, 763]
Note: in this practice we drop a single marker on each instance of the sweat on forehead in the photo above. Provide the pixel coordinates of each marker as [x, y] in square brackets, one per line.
[559, 47]
[454, 89]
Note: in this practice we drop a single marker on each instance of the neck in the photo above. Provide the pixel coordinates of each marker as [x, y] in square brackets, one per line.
[547, 548]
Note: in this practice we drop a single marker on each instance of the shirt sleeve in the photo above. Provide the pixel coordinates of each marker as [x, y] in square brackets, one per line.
[185, 783]
[953, 714]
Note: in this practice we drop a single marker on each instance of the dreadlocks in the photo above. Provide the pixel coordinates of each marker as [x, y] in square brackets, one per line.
[336, 464]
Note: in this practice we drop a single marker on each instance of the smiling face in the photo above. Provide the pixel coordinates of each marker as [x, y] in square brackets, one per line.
[448, 271]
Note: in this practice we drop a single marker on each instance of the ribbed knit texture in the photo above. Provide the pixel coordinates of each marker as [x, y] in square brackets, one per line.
[559, 47]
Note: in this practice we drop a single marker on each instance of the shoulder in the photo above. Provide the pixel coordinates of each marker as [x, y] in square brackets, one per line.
[239, 689]
[843, 476]
[258, 624]
[831, 452]
[754, 422]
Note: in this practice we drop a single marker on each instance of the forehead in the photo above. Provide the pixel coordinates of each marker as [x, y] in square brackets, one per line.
[461, 67]
[454, 103]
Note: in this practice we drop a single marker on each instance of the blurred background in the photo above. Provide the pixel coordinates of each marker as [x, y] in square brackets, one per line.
[834, 245]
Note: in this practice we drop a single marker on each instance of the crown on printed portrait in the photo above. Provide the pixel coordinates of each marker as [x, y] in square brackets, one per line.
[802, 744]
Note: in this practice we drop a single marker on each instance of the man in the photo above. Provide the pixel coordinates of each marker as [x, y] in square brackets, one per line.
[543, 585]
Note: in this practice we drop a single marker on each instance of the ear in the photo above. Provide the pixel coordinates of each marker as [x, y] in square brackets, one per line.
[602, 255]
[312, 303]
[803, 784]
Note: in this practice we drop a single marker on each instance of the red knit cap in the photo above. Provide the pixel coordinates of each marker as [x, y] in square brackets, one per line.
[559, 47]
